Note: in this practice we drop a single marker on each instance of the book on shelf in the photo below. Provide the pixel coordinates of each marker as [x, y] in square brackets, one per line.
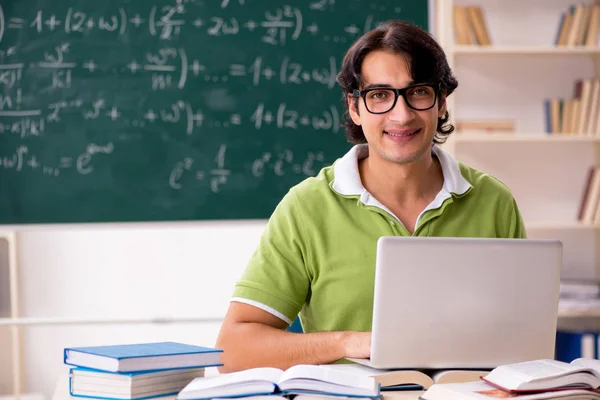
[142, 357]
[589, 208]
[299, 379]
[571, 345]
[485, 126]
[406, 379]
[470, 27]
[579, 114]
[579, 26]
[92, 383]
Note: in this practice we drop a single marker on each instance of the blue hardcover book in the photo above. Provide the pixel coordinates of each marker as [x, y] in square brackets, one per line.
[572, 345]
[143, 357]
[95, 384]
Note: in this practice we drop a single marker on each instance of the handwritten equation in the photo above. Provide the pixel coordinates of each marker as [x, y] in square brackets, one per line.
[219, 92]
[276, 27]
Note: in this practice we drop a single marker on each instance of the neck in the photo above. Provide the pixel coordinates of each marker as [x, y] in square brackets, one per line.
[402, 183]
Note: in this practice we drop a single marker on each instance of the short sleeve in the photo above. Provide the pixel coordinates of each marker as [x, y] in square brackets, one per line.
[516, 228]
[276, 277]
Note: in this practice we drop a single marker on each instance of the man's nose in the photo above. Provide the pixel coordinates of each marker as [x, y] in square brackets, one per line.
[401, 112]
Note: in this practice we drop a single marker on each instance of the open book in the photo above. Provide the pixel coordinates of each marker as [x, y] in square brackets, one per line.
[546, 375]
[299, 379]
[407, 379]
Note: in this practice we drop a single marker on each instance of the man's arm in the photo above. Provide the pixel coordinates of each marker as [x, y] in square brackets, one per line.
[252, 337]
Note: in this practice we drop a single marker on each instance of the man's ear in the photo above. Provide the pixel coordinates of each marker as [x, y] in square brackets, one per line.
[441, 105]
[352, 103]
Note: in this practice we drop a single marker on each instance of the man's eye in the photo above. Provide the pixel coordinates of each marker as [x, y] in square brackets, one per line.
[420, 92]
[379, 94]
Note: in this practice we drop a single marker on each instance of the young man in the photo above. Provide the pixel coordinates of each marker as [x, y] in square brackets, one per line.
[317, 255]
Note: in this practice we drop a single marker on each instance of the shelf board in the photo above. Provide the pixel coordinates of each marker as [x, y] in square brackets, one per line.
[560, 225]
[522, 137]
[574, 313]
[526, 50]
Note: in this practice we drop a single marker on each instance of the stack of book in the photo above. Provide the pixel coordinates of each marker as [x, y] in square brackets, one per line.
[579, 26]
[136, 371]
[580, 114]
[470, 27]
[539, 379]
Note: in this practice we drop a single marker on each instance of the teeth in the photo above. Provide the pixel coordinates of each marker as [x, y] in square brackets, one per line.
[408, 134]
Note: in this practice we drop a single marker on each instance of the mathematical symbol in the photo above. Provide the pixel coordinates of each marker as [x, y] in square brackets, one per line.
[15, 23]
[114, 113]
[52, 22]
[397, 10]
[268, 73]
[200, 175]
[304, 120]
[352, 29]
[198, 23]
[33, 163]
[196, 67]
[297, 169]
[133, 67]
[313, 28]
[306, 76]
[137, 21]
[90, 66]
[90, 24]
[150, 116]
[235, 119]
[237, 69]
[268, 117]
[251, 25]
[198, 118]
[220, 172]
[65, 162]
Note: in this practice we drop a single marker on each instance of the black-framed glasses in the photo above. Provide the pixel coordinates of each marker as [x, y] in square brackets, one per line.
[379, 100]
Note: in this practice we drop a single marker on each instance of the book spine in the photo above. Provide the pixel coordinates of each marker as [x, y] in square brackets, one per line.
[572, 345]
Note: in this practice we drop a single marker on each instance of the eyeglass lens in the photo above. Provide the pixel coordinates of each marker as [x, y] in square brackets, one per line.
[382, 100]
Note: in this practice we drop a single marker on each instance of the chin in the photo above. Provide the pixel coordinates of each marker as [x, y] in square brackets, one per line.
[405, 157]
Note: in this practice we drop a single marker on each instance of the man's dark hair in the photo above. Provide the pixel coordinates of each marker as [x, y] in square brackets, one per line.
[427, 63]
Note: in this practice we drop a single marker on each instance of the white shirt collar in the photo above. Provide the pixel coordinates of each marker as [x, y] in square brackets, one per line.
[346, 178]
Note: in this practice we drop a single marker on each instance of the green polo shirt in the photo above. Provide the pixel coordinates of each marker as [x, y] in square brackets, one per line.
[316, 256]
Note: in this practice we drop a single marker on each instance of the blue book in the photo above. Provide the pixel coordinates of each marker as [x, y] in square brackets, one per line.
[143, 357]
[91, 383]
[572, 345]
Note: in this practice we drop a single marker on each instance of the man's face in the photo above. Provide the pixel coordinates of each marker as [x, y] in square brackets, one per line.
[402, 135]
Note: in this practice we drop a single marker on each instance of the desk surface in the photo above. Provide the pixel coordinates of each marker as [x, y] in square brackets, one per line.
[61, 392]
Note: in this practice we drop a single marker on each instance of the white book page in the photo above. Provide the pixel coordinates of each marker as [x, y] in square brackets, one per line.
[331, 375]
[535, 370]
[513, 376]
[250, 375]
[588, 363]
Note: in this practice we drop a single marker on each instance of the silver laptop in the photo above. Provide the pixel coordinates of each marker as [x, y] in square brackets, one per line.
[464, 302]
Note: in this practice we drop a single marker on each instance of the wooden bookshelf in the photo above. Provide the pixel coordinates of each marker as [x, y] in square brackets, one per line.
[526, 50]
[523, 137]
[511, 79]
[574, 225]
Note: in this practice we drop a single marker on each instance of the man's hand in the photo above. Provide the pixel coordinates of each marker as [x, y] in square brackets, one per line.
[357, 344]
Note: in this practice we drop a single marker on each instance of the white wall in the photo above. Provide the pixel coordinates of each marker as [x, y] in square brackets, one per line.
[123, 271]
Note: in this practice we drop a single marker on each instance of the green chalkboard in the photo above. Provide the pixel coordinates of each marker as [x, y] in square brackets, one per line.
[149, 110]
